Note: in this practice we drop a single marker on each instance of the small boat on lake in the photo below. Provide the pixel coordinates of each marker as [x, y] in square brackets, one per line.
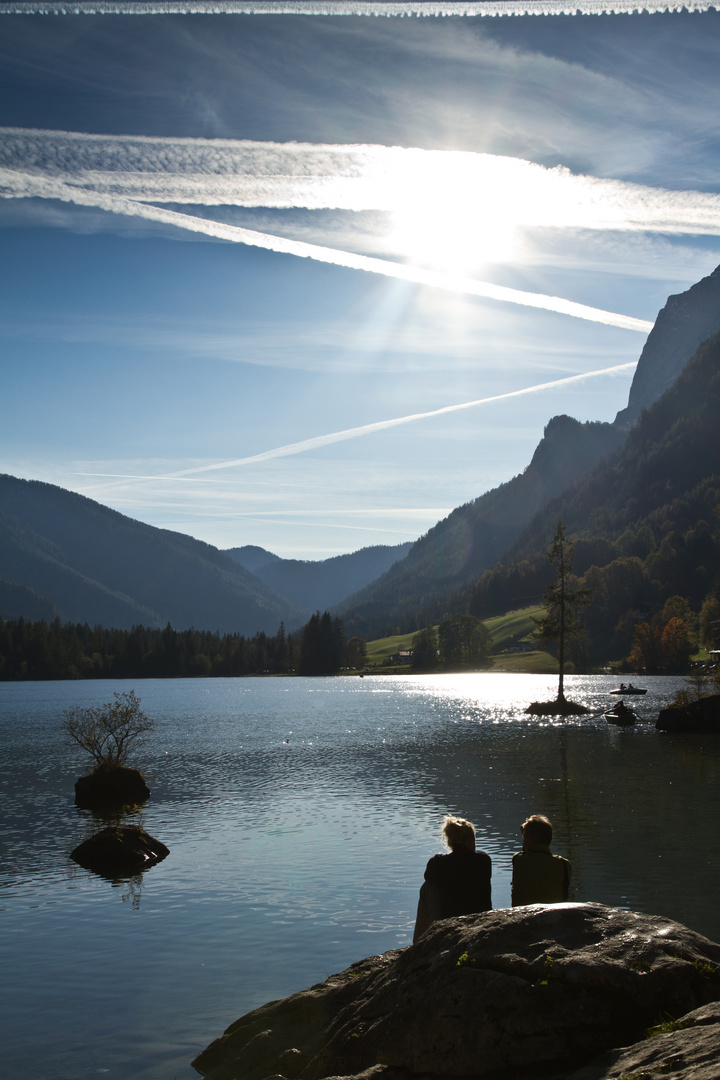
[629, 689]
[620, 714]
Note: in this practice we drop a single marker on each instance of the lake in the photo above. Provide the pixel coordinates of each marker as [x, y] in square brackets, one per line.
[300, 814]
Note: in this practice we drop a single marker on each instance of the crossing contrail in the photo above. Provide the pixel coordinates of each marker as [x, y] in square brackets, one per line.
[382, 425]
[15, 184]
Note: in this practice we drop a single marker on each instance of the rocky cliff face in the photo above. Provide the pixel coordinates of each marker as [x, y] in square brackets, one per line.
[686, 321]
[515, 994]
[473, 537]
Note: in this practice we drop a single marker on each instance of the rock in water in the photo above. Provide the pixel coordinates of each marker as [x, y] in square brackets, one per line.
[558, 707]
[515, 993]
[120, 850]
[701, 715]
[111, 787]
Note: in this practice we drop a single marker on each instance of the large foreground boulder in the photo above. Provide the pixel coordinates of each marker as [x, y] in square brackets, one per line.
[688, 1049]
[116, 787]
[519, 993]
[119, 850]
[700, 715]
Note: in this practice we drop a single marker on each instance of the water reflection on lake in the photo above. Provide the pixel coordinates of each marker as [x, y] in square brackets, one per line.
[299, 814]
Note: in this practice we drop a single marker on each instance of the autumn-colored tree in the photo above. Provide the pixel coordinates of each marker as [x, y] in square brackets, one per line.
[678, 607]
[646, 652]
[676, 646]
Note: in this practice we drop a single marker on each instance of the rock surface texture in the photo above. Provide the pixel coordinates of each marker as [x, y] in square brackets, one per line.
[686, 321]
[119, 850]
[518, 994]
[690, 1052]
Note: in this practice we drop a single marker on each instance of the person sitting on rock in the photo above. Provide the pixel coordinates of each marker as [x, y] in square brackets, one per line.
[457, 883]
[539, 877]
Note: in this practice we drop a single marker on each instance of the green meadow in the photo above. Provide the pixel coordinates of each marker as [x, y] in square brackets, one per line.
[505, 630]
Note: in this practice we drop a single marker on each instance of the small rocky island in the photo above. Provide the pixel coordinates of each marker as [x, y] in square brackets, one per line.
[563, 992]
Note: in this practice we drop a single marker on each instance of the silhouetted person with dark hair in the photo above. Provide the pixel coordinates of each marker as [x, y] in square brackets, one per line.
[457, 883]
[539, 877]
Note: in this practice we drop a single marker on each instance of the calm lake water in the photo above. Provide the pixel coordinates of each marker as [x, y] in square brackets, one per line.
[299, 814]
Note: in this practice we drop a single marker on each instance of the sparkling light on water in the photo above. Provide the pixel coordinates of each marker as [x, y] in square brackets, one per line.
[300, 814]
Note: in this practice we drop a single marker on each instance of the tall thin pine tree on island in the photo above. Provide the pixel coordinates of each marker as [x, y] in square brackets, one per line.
[561, 620]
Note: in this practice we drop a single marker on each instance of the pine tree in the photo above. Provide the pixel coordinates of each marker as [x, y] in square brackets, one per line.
[561, 620]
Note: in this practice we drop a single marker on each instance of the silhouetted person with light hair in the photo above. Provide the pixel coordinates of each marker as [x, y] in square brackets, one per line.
[457, 883]
[539, 877]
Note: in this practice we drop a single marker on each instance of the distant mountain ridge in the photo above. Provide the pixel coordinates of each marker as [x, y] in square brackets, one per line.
[324, 583]
[251, 557]
[92, 564]
[65, 556]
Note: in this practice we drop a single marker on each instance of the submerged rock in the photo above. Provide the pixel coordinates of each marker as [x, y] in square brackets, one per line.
[518, 993]
[111, 787]
[120, 850]
[701, 715]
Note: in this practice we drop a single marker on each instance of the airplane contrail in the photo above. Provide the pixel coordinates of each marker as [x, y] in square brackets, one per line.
[16, 184]
[382, 425]
[320, 176]
[318, 441]
[470, 8]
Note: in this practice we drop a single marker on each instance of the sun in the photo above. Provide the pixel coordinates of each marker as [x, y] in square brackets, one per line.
[457, 212]
[455, 239]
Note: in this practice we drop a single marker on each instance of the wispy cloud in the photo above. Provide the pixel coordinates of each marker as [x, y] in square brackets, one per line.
[351, 7]
[311, 176]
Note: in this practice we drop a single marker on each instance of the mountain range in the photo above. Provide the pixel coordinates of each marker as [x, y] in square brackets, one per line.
[645, 522]
[319, 585]
[417, 590]
[63, 555]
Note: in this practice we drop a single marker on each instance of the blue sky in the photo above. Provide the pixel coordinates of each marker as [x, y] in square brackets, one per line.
[252, 266]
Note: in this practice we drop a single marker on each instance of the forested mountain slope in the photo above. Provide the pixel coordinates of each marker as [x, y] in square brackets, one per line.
[91, 564]
[457, 550]
[645, 521]
[474, 536]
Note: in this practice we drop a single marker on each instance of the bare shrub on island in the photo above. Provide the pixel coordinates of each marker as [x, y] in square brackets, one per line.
[108, 732]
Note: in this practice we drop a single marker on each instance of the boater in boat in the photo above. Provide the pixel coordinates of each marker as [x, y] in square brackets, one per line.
[620, 714]
[629, 689]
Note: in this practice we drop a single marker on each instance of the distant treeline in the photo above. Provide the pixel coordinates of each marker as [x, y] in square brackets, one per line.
[55, 650]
